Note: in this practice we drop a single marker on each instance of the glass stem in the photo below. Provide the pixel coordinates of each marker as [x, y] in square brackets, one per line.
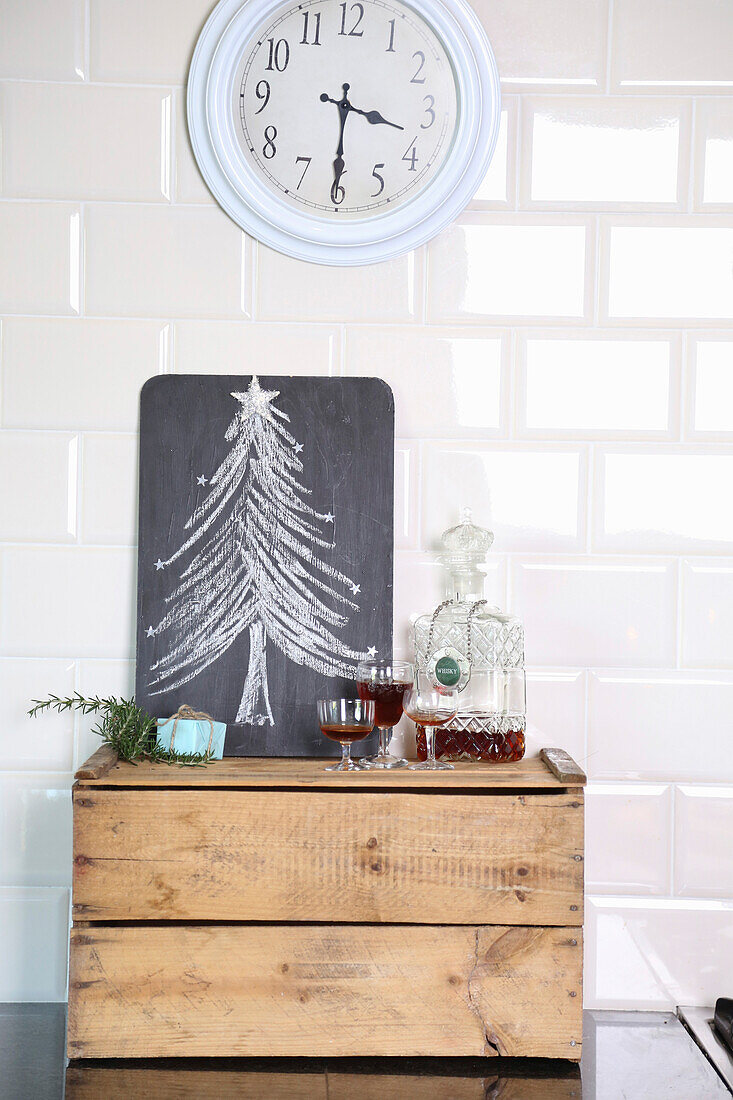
[430, 743]
[383, 731]
[345, 754]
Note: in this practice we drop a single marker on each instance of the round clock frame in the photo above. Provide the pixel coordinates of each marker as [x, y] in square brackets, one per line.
[258, 208]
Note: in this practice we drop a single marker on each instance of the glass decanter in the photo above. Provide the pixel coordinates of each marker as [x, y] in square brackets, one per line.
[467, 642]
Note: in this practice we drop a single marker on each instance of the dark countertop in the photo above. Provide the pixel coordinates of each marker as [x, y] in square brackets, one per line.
[626, 1056]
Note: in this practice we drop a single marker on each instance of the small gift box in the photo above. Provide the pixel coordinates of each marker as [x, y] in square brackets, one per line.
[192, 731]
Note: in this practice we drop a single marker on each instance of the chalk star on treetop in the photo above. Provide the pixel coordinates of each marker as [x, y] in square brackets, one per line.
[256, 401]
[150, 633]
[298, 448]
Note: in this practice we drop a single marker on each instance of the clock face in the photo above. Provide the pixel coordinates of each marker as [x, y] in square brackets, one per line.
[345, 110]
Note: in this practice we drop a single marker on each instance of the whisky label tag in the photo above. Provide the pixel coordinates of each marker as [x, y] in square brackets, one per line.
[448, 669]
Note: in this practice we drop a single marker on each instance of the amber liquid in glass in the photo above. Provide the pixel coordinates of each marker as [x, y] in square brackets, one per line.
[387, 699]
[473, 741]
[344, 734]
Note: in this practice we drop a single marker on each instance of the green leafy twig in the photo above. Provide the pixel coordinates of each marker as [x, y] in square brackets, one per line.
[122, 725]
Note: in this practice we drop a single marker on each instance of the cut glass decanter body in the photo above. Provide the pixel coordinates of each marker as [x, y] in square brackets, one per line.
[487, 644]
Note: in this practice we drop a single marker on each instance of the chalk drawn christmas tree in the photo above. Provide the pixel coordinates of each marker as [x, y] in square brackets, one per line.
[256, 566]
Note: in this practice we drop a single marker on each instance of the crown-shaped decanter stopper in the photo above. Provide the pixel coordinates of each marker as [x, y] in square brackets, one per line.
[466, 543]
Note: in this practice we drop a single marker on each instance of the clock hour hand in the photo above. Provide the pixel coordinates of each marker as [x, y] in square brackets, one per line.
[338, 165]
[375, 118]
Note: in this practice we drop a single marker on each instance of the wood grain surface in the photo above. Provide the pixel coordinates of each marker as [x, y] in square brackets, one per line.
[518, 1079]
[325, 856]
[98, 764]
[562, 766]
[318, 990]
[531, 773]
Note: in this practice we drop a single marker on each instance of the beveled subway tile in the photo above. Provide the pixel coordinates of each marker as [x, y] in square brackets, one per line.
[406, 495]
[84, 597]
[88, 142]
[556, 711]
[655, 953]
[144, 43]
[103, 678]
[519, 266]
[498, 185]
[199, 267]
[189, 183]
[586, 611]
[660, 725]
[555, 43]
[714, 154]
[109, 489]
[42, 40]
[35, 829]
[223, 347]
[99, 368]
[34, 930]
[711, 393]
[703, 855]
[604, 152]
[292, 290]
[530, 498]
[577, 386]
[40, 272]
[628, 838]
[662, 500]
[44, 743]
[663, 270]
[707, 614]
[446, 381]
[677, 46]
[38, 471]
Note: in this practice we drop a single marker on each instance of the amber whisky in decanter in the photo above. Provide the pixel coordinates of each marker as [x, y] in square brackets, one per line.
[467, 642]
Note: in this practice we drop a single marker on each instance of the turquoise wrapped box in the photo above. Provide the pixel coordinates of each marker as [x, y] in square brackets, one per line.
[191, 731]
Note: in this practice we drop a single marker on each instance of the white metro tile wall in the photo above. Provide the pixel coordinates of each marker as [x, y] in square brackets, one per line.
[561, 360]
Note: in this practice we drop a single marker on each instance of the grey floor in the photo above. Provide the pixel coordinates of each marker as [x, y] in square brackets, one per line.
[626, 1056]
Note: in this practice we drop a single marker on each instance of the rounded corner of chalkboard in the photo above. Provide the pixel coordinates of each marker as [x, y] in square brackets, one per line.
[148, 384]
[386, 386]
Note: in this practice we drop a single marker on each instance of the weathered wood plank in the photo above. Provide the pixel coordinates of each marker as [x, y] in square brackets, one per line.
[319, 990]
[516, 1080]
[563, 767]
[98, 764]
[532, 772]
[321, 855]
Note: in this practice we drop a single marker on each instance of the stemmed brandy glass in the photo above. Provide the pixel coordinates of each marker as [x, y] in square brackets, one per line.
[386, 683]
[345, 721]
[429, 707]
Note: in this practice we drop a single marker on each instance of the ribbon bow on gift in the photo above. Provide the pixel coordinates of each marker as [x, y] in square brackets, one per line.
[188, 714]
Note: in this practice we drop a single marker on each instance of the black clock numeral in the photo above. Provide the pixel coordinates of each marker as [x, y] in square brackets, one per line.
[317, 31]
[299, 160]
[262, 95]
[417, 79]
[279, 55]
[338, 194]
[377, 176]
[411, 155]
[390, 47]
[269, 149]
[354, 32]
[428, 111]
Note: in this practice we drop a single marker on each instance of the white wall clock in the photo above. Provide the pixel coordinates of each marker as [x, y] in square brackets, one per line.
[343, 132]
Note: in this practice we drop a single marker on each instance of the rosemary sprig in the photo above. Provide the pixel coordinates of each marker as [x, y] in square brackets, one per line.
[127, 728]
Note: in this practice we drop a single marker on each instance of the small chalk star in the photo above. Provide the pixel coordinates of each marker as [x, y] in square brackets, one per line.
[150, 633]
[159, 564]
[328, 517]
[356, 589]
[201, 480]
[372, 651]
[298, 448]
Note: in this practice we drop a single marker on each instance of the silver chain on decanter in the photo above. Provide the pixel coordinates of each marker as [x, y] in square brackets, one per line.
[441, 607]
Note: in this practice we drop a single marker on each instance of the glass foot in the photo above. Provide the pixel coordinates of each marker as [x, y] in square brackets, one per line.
[431, 766]
[343, 766]
[383, 761]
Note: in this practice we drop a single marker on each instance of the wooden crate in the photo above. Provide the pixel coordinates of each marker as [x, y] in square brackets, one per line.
[270, 908]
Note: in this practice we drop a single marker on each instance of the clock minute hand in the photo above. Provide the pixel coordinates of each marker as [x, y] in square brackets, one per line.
[375, 118]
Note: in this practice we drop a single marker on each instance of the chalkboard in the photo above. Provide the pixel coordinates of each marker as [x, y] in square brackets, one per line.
[265, 550]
